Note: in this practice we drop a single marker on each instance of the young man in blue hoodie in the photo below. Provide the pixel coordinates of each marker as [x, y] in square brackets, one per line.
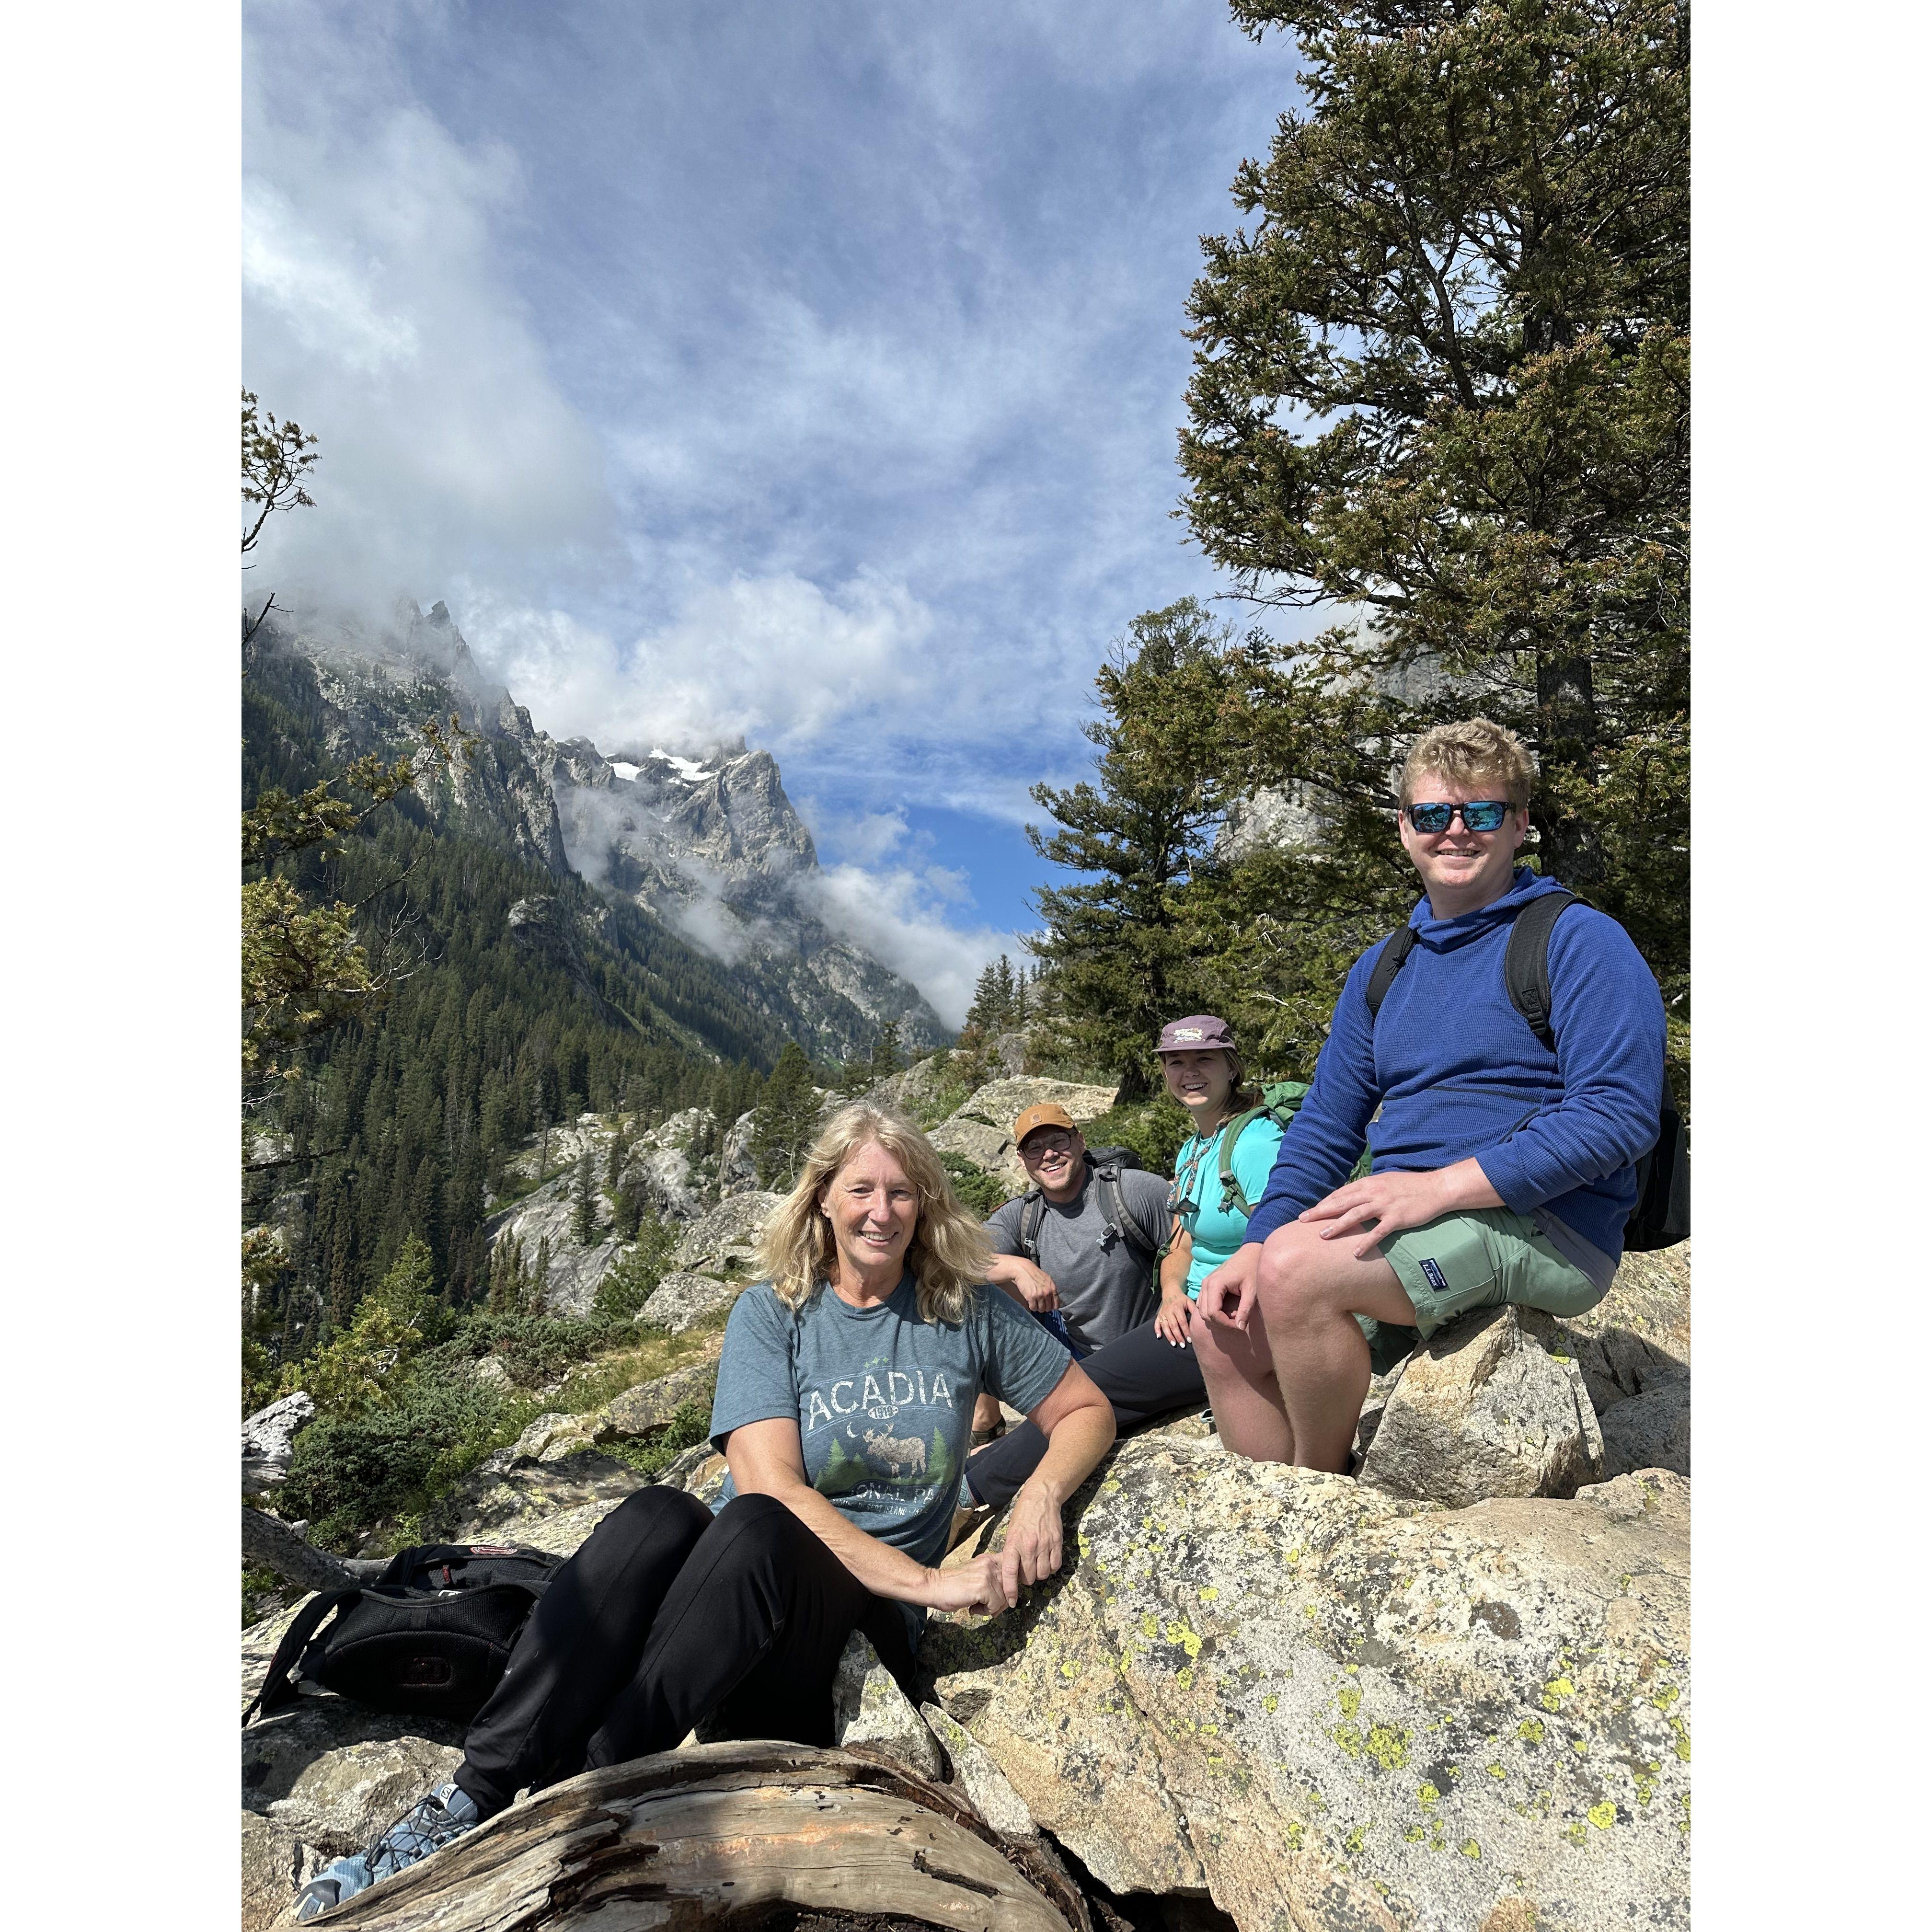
[1503, 1172]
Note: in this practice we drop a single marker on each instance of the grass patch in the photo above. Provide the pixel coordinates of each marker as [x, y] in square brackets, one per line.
[1154, 1129]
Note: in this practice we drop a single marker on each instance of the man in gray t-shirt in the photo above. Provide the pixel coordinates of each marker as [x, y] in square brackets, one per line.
[1099, 1275]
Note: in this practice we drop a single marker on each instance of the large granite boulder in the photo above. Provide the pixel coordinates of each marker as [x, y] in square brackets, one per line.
[1314, 1700]
[1641, 1329]
[724, 1241]
[268, 1441]
[682, 1298]
[737, 1172]
[981, 1128]
[1486, 1407]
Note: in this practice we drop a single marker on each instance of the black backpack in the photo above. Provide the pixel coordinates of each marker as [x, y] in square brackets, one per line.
[1661, 1217]
[1106, 1164]
[429, 1637]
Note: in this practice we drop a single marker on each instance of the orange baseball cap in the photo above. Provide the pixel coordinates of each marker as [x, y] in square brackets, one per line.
[1045, 1115]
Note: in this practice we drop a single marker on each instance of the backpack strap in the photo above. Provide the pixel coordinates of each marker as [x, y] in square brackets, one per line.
[1526, 960]
[276, 1689]
[1231, 1195]
[1033, 1211]
[1395, 949]
[1107, 1173]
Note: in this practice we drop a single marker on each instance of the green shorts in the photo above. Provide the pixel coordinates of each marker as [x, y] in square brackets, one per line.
[1479, 1258]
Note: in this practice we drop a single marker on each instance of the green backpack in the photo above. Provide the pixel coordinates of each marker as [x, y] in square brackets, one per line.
[1280, 1102]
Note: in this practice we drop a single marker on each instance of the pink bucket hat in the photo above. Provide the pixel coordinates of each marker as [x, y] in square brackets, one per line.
[1194, 1034]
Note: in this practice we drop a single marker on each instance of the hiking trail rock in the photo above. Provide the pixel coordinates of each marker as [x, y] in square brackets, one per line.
[724, 1239]
[682, 1298]
[268, 1441]
[1484, 1408]
[1286, 1687]
[869, 1709]
[981, 1128]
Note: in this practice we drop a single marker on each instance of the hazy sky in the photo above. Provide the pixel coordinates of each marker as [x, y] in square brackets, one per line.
[809, 372]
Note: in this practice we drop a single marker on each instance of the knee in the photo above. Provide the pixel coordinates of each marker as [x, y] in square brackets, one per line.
[1291, 1286]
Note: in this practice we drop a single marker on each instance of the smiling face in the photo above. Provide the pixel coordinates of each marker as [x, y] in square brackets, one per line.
[1200, 1079]
[1055, 1157]
[873, 1207]
[1462, 870]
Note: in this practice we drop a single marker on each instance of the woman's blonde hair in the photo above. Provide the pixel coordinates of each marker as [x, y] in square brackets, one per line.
[950, 1252]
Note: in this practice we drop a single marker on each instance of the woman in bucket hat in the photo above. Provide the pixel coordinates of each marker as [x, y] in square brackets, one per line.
[1204, 1072]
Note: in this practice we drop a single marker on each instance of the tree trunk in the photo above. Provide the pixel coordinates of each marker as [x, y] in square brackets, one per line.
[1566, 710]
[745, 1833]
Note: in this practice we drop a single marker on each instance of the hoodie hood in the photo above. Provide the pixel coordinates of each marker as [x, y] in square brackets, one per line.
[1448, 935]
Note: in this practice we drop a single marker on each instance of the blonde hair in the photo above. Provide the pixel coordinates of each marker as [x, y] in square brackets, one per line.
[1473, 751]
[950, 1253]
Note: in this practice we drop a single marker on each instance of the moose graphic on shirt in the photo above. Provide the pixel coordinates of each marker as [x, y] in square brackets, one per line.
[872, 1446]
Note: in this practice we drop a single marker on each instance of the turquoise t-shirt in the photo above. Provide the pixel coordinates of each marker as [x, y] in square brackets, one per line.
[1197, 1185]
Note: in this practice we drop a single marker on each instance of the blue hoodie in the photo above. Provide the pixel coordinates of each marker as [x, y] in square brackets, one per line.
[1457, 1072]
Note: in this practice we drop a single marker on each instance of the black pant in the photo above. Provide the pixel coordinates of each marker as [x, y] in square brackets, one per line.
[665, 1616]
[1144, 1378]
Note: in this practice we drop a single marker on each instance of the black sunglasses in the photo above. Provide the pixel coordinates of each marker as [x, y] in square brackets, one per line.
[1479, 814]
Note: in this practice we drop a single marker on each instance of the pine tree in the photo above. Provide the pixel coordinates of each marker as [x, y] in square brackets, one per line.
[1468, 273]
[887, 1057]
[1120, 955]
[583, 1203]
[786, 1121]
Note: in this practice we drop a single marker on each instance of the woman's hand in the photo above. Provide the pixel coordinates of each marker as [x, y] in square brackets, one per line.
[1176, 1315]
[979, 1586]
[1033, 1546]
[1228, 1295]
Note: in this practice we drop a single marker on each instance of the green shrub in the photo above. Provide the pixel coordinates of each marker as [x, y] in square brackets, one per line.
[690, 1424]
[975, 1188]
[1155, 1131]
[347, 1471]
[628, 1283]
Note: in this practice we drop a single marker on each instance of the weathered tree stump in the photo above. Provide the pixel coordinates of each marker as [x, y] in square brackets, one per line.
[738, 1834]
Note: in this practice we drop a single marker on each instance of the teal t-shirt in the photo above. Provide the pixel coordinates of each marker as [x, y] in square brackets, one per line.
[1197, 1185]
[883, 1398]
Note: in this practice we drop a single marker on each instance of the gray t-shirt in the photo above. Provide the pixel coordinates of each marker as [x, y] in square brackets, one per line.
[882, 1398]
[1105, 1281]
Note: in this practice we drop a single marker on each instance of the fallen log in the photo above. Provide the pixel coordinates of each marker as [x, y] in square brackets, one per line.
[275, 1546]
[743, 1833]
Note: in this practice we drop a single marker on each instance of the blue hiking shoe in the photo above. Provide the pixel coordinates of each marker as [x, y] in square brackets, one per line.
[430, 1823]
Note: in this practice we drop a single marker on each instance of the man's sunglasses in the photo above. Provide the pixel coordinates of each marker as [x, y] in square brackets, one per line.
[1038, 1146]
[1480, 815]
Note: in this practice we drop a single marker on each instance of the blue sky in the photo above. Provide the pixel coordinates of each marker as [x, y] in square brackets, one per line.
[807, 373]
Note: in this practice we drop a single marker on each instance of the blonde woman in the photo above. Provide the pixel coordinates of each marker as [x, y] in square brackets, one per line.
[845, 1395]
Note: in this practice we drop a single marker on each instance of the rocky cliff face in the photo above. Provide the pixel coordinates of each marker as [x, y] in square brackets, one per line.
[713, 846]
[709, 844]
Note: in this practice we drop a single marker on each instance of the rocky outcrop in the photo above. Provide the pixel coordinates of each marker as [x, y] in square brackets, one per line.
[724, 1241]
[737, 1172]
[268, 1441]
[868, 1708]
[1283, 1687]
[1485, 1408]
[682, 1298]
[1651, 1430]
[642, 1412]
[980, 1130]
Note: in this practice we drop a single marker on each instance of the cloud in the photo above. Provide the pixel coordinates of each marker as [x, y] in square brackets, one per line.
[902, 915]
[377, 312]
